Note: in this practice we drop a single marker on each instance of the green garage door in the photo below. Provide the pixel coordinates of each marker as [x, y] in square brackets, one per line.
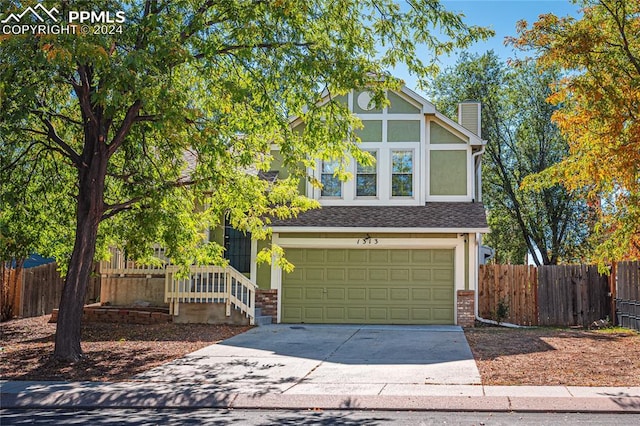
[369, 286]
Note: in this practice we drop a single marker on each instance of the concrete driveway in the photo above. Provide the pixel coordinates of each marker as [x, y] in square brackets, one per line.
[329, 359]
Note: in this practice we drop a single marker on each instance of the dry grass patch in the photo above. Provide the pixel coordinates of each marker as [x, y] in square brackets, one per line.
[548, 356]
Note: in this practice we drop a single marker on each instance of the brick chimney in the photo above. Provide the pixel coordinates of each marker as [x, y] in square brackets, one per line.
[469, 116]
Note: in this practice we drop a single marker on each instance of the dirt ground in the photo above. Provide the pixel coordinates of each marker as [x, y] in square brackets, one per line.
[114, 352]
[548, 356]
[117, 352]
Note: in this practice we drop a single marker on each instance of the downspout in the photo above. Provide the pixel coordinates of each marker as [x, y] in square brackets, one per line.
[479, 172]
[478, 242]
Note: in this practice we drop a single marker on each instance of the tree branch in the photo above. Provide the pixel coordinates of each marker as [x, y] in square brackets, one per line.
[113, 209]
[53, 136]
[17, 160]
[125, 127]
[274, 45]
[620, 23]
[82, 92]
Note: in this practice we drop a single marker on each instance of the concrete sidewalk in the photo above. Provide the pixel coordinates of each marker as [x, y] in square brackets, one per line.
[323, 367]
[400, 397]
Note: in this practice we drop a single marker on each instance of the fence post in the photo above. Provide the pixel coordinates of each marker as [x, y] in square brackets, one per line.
[227, 289]
[613, 278]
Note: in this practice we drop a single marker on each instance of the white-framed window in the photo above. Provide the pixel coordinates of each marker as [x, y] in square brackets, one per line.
[402, 173]
[367, 178]
[331, 185]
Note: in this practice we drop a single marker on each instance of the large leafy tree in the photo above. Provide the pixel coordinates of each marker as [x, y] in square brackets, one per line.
[165, 126]
[522, 140]
[598, 112]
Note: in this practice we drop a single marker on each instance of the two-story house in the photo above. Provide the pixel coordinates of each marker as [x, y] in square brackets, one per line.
[397, 244]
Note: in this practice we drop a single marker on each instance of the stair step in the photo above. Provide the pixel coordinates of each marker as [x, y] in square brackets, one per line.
[263, 320]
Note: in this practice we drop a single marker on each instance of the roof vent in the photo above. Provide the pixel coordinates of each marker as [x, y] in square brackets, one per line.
[469, 116]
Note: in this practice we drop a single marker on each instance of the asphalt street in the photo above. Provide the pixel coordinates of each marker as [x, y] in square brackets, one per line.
[220, 417]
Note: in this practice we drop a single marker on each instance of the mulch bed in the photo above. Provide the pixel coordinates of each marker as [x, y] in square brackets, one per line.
[548, 356]
[113, 352]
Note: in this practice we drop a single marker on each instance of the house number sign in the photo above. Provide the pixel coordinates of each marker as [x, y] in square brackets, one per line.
[367, 240]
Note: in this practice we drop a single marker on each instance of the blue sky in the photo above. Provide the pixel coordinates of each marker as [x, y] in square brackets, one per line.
[501, 16]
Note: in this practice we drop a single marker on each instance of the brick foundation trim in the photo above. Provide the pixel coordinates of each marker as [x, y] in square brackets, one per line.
[466, 305]
[120, 315]
[267, 300]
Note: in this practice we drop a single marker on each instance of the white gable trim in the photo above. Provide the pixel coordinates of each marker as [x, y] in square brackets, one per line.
[406, 230]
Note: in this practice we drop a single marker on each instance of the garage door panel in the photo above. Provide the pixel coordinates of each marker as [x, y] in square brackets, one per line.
[336, 256]
[378, 294]
[421, 314]
[420, 274]
[313, 314]
[421, 294]
[336, 274]
[357, 256]
[399, 294]
[400, 274]
[296, 256]
[400, 256]
[293, 293]
[314, 274]
[315, 256]
[314, 294]
[442, 314]
[379, 274]
[399, 314]
[442, 275]
[379, 257]
[378, 314]
[421, 257]
[335, 314]
[369, 286]
[442, 294]
[336, 294]
[359, 274]
[357, 293]
[296, 275]
[443, 256]
[291, 314]
[357, 314]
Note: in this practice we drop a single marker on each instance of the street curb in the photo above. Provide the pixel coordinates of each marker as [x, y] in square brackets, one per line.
[196, 399]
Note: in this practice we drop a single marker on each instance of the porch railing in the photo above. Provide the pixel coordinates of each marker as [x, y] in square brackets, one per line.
[119, 264]
[210, 284]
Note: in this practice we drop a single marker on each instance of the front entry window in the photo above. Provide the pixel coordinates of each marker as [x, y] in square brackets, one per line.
[237, 246]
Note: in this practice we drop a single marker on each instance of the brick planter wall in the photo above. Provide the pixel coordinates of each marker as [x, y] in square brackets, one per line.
[120, 315]
[267, 300]
[466, 314]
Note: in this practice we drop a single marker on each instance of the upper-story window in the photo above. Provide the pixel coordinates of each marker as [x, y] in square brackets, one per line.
[331, 185]
[402, 173]
[367, 179]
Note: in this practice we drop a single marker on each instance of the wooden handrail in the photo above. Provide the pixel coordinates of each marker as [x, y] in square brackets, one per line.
[210, 284]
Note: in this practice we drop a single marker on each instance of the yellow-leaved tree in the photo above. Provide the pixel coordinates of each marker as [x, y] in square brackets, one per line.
[599, 100]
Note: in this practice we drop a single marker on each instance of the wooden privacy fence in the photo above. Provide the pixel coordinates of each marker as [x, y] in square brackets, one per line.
[572, 295]
[512, 286]
[42, 289]
[628, 294]
[10, 284]
[562, 295]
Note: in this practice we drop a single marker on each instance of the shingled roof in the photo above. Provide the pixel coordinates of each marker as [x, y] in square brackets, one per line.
[443, 216]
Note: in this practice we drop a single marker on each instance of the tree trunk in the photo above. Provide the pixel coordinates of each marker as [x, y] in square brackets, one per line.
[91, 177]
